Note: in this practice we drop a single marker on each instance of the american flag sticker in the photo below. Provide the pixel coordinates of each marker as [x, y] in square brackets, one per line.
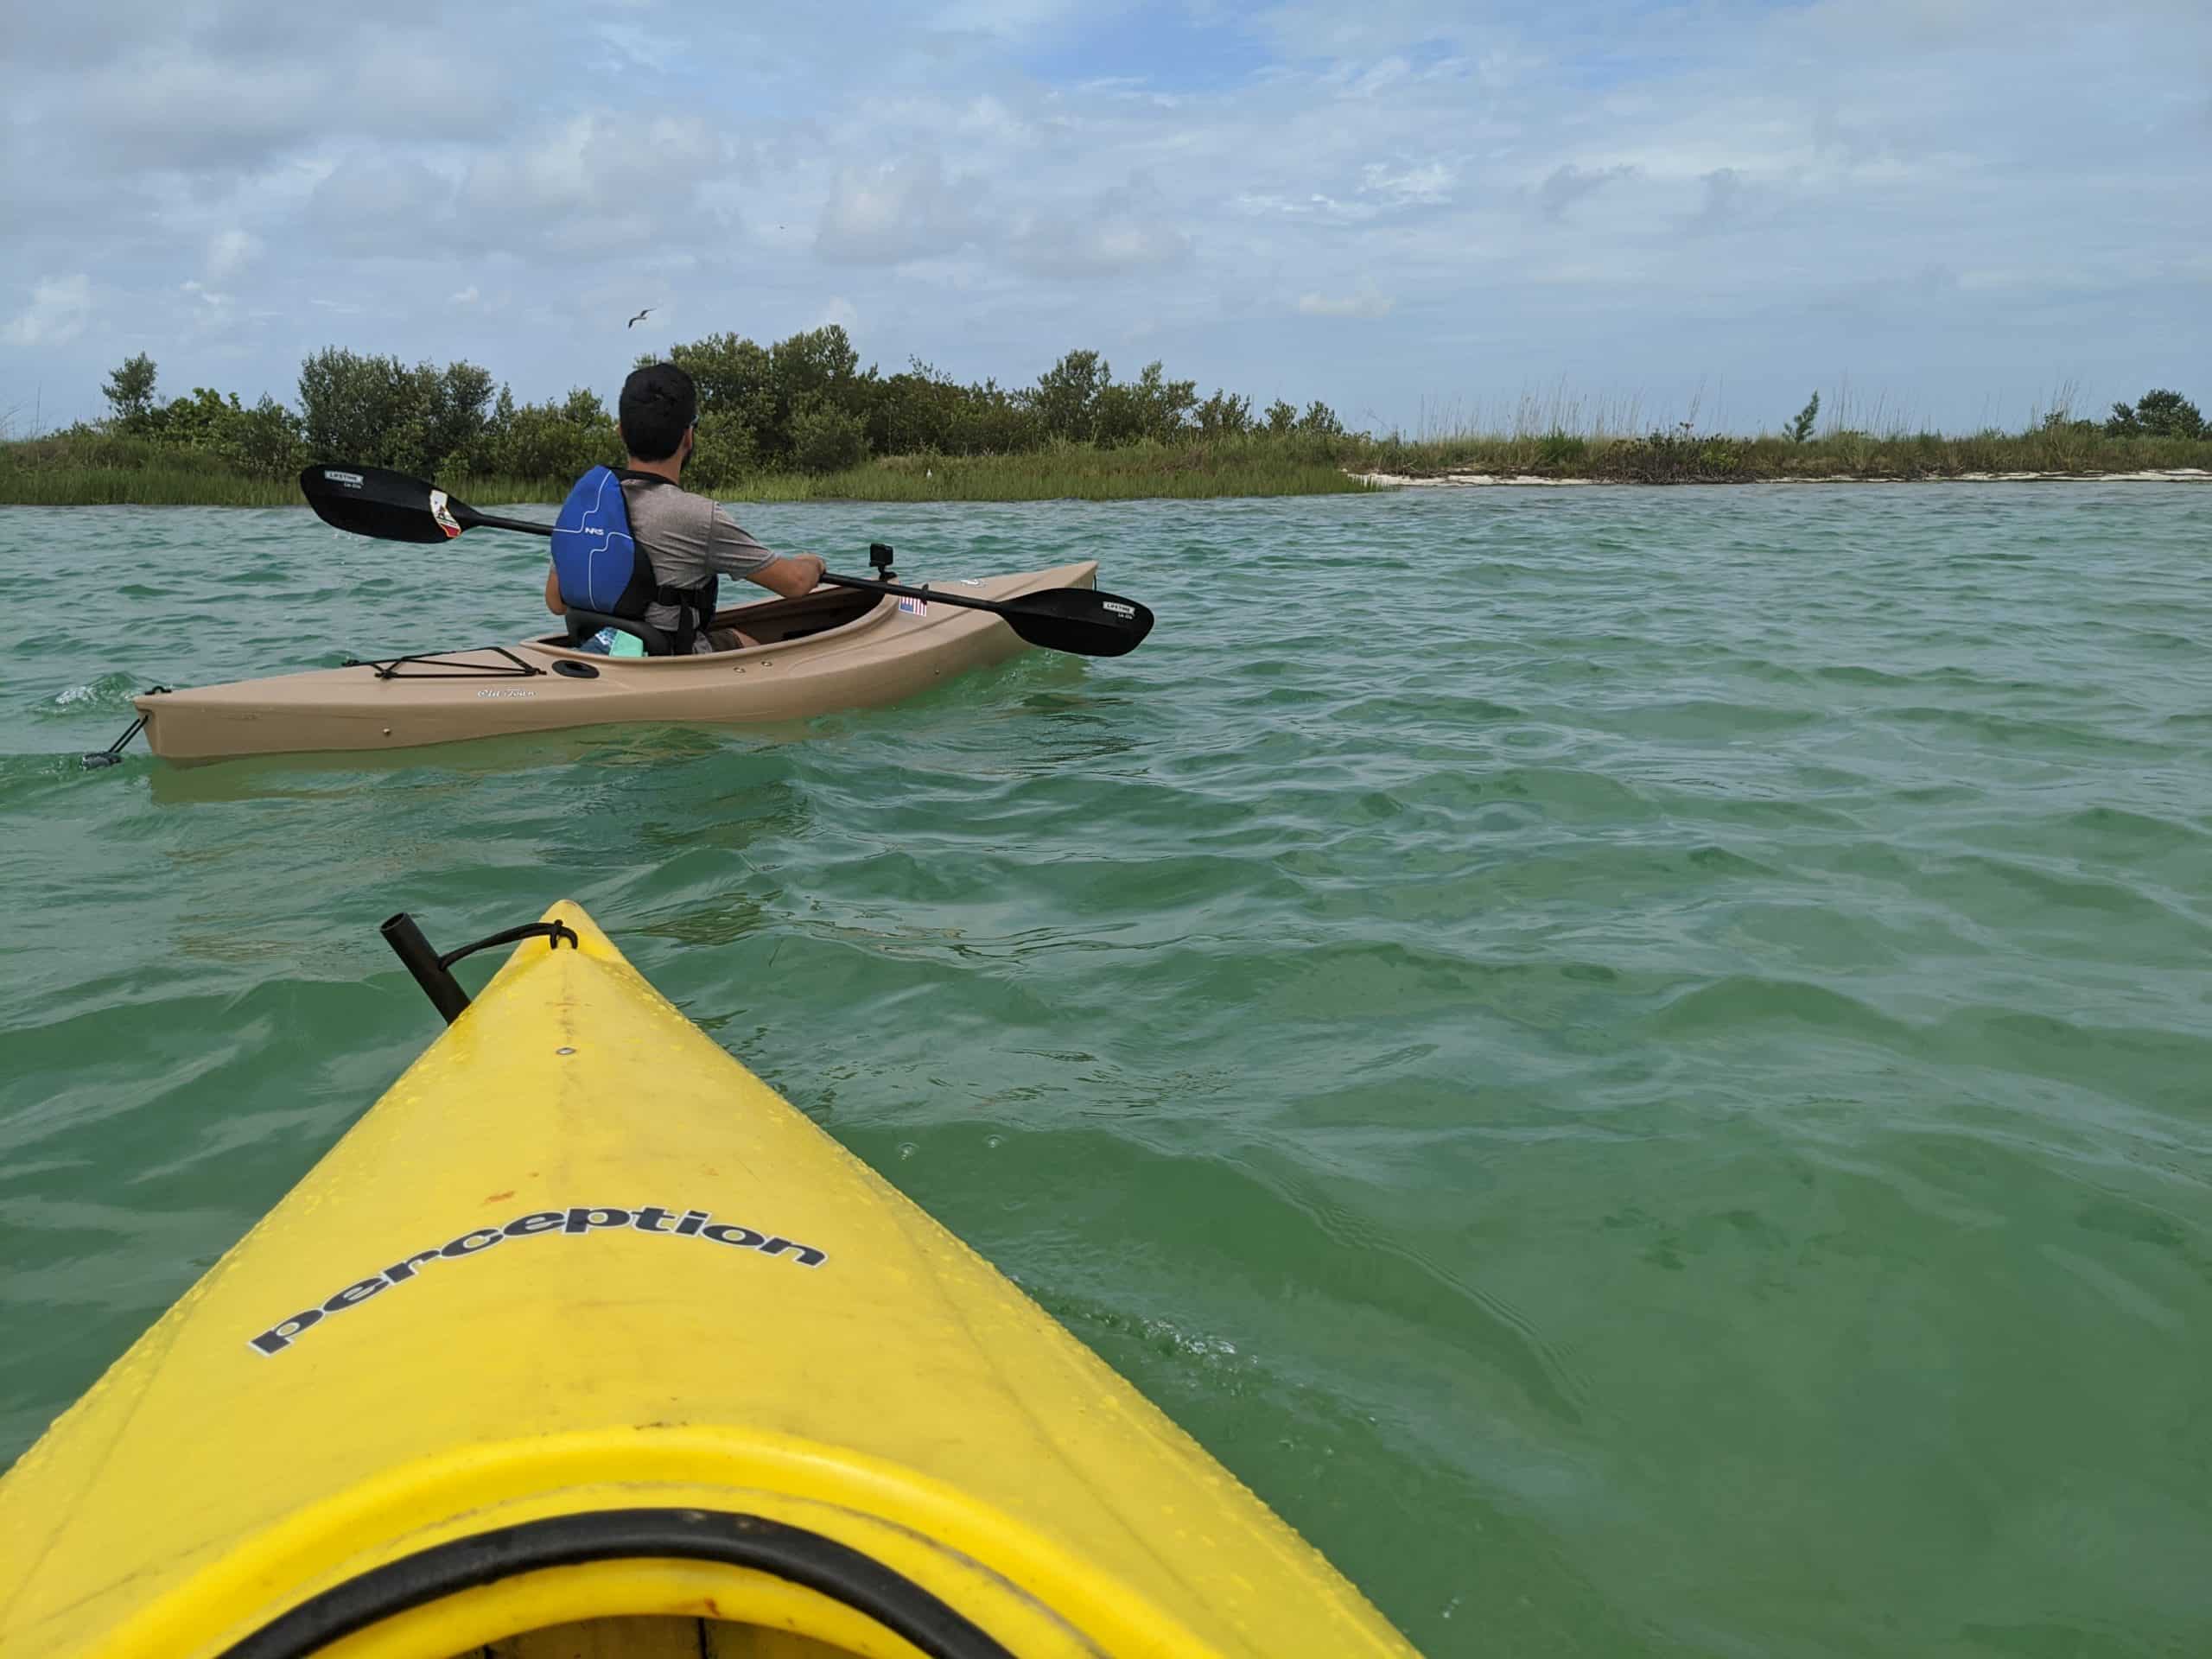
[915, 606]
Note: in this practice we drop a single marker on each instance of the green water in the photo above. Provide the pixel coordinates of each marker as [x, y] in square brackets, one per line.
[1636, 1062]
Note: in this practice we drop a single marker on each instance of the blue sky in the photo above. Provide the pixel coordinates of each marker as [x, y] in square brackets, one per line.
[1942, 211]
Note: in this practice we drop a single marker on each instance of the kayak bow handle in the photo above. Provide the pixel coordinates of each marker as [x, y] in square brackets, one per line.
[434, 973]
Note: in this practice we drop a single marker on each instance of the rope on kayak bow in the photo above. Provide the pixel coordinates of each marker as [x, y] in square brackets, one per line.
[113, 754]
[555, 932]
[434, 972]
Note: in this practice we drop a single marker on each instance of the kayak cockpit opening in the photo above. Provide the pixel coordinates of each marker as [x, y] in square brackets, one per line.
[651, 1636]
[632, 1584]
[773, 621]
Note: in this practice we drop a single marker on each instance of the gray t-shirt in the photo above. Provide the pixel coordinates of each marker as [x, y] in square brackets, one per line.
[688, 538]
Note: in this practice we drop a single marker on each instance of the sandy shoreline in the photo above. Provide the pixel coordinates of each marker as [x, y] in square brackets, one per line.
[1525, 480]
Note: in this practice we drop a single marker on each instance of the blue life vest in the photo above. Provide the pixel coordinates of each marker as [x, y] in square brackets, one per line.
[602, 569]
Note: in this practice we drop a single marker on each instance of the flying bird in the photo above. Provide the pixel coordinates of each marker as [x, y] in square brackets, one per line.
[639, 318]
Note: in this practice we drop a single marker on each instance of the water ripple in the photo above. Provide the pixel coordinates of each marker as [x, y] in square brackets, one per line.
[1633, 1060]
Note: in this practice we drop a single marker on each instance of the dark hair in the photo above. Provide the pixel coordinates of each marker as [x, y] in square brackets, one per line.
[659, 402]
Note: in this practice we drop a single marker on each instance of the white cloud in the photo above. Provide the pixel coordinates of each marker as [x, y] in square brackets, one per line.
[595, 185]
[897, 211]
[57, 314]
[463, 297]
[1130, 228]
[1723, 203]
[988, 118]
[1365, 303]
[1313, 205]
[163, 103]
[183, 109]
[1331, 29]
[1076, 247]
[1566, 185]
[231, 252]
[1426, 185]
[212, 317]
[403, 208]
[641, 48]
[1006, 19]
[1499, 68]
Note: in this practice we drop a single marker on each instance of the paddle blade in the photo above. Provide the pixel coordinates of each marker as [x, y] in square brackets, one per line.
[1080, 619]
[392, 506]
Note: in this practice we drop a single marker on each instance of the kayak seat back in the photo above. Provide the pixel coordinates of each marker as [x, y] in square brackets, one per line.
[584, 624]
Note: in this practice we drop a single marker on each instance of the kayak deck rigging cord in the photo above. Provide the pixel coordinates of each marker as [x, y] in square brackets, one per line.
[389, 668]
[434, 972]
[112, 754]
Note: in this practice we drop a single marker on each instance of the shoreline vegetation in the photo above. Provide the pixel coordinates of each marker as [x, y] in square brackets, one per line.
[801, 421]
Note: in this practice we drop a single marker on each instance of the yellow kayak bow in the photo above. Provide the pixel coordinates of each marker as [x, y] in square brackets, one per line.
[583, 1341]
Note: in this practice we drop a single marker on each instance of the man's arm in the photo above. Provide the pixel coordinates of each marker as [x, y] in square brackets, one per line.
[553, 592]
[791, 576]
[733, 552]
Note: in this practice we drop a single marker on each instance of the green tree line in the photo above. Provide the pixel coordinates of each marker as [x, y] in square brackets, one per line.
[2158, 414]
[802, 404]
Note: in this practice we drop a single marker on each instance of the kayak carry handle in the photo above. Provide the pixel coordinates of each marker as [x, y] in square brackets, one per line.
[434, 972]
[112, 755]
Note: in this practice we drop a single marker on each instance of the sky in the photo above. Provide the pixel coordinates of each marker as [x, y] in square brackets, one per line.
[1937, 213]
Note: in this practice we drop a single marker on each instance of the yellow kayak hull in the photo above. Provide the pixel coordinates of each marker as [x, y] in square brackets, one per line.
[583, 1332]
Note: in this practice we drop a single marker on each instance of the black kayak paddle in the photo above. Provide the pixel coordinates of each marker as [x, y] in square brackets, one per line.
[393, 507]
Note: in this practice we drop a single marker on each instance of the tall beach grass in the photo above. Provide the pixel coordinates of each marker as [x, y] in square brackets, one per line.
[1195, 470]
[1561, 434]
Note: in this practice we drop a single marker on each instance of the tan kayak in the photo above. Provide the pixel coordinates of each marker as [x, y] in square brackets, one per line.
[835, 648]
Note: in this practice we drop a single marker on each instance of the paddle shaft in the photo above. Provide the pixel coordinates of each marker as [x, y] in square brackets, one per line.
[937, 594]
[490, 521]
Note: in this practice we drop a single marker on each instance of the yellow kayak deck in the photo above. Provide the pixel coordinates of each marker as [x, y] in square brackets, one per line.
[584, 1332]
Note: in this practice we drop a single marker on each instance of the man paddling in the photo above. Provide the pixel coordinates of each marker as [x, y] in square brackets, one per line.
[683, 541]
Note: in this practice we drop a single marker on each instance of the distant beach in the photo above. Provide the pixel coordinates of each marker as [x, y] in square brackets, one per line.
[1529, 480]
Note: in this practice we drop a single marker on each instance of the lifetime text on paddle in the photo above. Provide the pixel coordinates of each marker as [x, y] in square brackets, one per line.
[579, 1221]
